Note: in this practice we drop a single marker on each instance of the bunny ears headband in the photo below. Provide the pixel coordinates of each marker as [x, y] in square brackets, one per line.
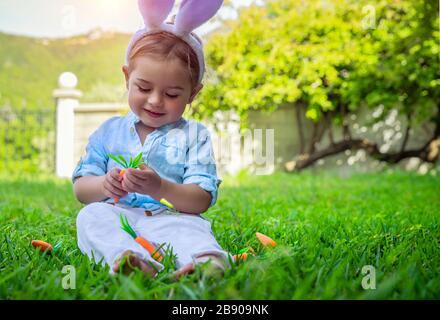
[191, 15]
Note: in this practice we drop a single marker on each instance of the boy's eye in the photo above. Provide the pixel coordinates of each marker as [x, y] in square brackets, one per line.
[143, 90]
[172, 96]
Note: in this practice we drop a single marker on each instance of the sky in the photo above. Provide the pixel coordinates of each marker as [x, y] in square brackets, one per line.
[63, 18]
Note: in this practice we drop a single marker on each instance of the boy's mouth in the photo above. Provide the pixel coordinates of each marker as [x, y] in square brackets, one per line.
[154, 114]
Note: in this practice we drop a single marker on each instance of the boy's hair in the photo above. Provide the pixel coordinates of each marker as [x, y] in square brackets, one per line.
[166, 45]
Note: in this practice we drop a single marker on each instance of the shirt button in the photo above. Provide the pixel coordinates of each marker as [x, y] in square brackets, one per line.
[148, 213]
[132, 130]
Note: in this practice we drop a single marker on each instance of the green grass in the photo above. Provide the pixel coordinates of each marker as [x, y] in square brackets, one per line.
[327, 228]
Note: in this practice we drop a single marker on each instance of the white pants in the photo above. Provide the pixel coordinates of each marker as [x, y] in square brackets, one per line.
[101, 238]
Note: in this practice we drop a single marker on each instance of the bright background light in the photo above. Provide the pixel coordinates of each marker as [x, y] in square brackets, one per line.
[63, 18]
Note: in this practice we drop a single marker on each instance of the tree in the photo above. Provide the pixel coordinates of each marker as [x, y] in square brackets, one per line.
[335, 57]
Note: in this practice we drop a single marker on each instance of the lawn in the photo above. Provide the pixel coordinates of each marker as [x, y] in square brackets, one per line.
[327, 228]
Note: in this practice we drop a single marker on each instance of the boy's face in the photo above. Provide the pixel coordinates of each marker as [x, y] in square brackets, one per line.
[158, 90]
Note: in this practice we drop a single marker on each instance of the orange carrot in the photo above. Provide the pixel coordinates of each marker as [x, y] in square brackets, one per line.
[43, 246]
[121, 174]
[240, 257]
[265, 240]
[149, 247]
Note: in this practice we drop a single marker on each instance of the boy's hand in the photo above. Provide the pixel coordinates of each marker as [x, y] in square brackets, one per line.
[112, 185]
[143, 181]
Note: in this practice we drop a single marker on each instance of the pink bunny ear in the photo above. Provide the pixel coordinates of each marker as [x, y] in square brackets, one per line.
[155, 12]
[193, 13]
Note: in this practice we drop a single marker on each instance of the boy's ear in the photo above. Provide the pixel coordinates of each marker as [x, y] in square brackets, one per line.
[195, 92]
[125, 71]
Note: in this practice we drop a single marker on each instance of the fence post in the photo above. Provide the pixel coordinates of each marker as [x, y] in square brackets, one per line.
[66, 99]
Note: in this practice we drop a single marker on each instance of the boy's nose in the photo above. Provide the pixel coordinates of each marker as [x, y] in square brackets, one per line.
[155, 100]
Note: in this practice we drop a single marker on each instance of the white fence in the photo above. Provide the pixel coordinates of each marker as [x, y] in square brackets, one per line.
[77, 121]
[270, 142]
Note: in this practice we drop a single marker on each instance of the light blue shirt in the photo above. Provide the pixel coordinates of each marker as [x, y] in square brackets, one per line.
[180, 152]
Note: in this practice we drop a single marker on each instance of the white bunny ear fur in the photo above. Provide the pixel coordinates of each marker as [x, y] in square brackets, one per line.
[155, 12]
[193, 13]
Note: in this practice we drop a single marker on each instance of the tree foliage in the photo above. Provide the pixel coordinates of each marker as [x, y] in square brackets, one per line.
[333, 56]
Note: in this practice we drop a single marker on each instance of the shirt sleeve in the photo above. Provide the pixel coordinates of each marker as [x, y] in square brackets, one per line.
[94, 162]
[200, 167]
